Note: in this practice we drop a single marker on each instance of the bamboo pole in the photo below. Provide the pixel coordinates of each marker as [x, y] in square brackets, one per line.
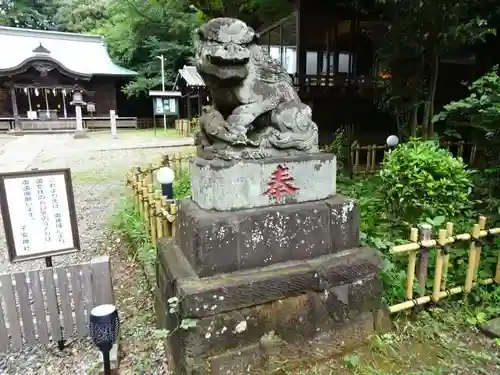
[152, 214]
[412, 262]
[173, 212]
[368, 158]
[166, 225]
[472, 157]
[145, 205]
[446, 260]
[159, 217]
[425, 235]
[139, 196]
[430, 243]
[438, 273]
[482, 225]
[426, 299]
[357, 159]
[472, 260]
[374, 154]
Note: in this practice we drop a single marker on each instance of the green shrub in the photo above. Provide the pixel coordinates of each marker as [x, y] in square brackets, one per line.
[182, 183]
[128, 222]
[420, 181]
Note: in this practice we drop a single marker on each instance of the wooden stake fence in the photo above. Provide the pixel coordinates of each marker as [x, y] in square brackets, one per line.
[366, 158]
[442, 246]
[183, 127]
[156, 211]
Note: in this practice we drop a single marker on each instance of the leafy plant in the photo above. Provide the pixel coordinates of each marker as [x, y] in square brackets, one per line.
[419, 180]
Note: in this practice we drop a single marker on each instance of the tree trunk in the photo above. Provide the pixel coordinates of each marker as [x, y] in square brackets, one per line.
[432, 94]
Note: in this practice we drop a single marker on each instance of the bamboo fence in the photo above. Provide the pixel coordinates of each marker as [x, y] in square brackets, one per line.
[366, 158]
[154, 209]
[159, 215]
[420, 247]
[183, 127]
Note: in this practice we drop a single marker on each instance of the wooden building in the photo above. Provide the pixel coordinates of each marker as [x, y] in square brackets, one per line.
[194, 92]
[329, 50]
[40, 70]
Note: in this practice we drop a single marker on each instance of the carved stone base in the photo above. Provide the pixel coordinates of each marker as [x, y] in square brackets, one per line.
[241, 184]
[249, 321]
[216, 242]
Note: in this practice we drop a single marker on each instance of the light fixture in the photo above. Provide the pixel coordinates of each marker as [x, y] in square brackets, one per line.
[392, 141]
[165, 177]
[104, 328]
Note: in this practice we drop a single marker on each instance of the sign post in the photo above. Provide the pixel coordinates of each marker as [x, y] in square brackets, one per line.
[39, 216]
[165, 103]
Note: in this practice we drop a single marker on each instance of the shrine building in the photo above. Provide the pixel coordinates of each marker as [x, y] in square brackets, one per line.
[41, 70]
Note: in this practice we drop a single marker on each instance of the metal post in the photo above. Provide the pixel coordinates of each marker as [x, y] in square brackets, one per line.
[60, 343]
[163, 89]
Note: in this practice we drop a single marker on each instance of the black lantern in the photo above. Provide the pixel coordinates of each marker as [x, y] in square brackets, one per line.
[104, 329]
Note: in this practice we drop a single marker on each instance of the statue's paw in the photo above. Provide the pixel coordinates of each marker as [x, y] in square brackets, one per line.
[253, 143]
[240, 139]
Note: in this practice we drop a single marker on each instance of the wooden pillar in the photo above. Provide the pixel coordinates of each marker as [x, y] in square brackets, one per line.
[189, 108]
[328, 42]
[200, 100]
[282, 50]
[15, 113]
[336, 51]
[301, 47]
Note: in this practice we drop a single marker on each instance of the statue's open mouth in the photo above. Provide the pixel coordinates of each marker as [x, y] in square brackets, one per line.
[219, 61]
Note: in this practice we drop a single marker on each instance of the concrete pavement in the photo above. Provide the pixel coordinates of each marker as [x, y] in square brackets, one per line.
[17, 153]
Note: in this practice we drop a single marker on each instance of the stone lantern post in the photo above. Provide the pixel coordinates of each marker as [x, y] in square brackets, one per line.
[78, 103]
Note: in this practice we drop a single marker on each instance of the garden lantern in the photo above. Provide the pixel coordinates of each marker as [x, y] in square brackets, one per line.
[165, 177]
[104, 329]
[392, 141]
[78, 103]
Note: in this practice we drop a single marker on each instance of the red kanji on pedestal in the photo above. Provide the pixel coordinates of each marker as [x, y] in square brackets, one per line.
[281, 183]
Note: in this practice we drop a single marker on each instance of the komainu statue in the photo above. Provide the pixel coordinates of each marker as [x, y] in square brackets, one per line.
[256, 112]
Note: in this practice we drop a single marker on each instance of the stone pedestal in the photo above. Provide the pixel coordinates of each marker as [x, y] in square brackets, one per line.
[270, 277]
[80, 133]
[234, 185]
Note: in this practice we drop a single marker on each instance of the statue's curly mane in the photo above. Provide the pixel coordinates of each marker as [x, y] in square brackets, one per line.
[267, 69]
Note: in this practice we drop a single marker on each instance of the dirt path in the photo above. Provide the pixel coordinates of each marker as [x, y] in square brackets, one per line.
[98, 182]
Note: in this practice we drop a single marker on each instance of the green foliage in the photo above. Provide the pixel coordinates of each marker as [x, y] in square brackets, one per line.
[425, 32]
[421, 181]
[256, 13]
[182, 183]
[128, 222]
[28, 14]
[481, 108]
[81, 16]
[137, 32]
[339, 146]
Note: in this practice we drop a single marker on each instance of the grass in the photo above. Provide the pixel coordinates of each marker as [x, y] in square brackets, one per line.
[441, 340]
[438, 341]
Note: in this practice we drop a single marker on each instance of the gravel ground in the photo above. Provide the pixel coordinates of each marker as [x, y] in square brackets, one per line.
[98, 182]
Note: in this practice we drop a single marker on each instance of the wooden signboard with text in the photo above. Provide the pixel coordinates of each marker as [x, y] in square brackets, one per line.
[38, 212]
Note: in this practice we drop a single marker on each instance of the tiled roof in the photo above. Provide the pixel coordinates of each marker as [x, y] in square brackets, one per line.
[78, 53]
